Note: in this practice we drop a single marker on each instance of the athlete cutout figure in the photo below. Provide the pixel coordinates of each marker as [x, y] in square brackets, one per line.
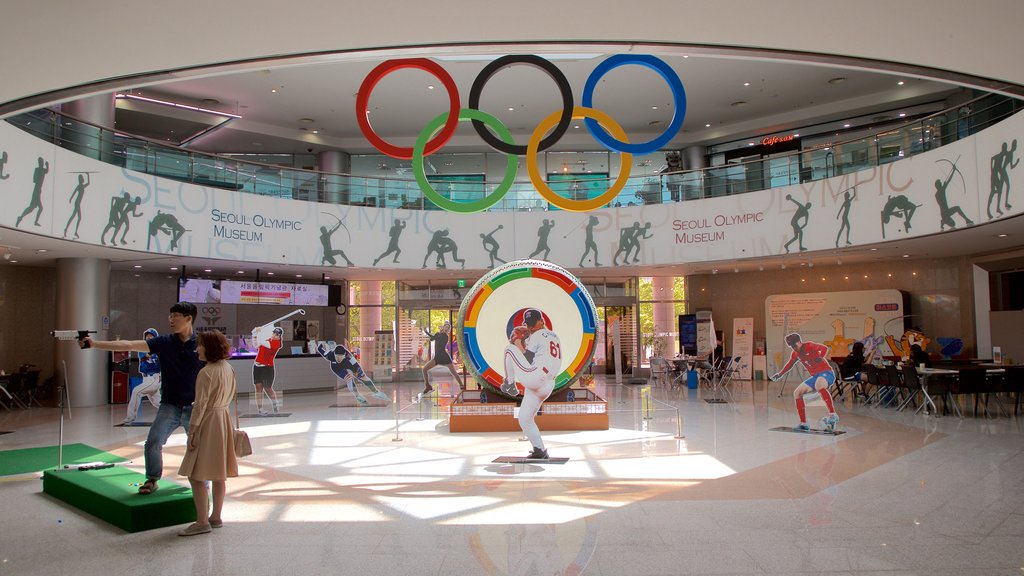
[491, 245]
[441, 358]
[814, 358]
[395, 232]
[329, 252]
[799, 222]
[3, 165]
[36, 203]
[268, 341]
[844, 215]
[898, 206]
[542, 238]
[168, 224]
[76, 198]
[345, 367]
[149, 367]
[946, 213]
[589, 244]
[1000, 166]
[533, 360]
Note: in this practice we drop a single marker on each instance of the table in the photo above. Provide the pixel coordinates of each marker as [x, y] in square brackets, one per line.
[927, 373]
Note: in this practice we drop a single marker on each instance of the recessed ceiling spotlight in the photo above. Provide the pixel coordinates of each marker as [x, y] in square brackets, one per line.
[903, 114]
[270, 273]
[810, 264]
[316, 131]
[1001, 235]
[796, 135]
[430, 87]
[707, 125]
[240, 272]
[209, 101]
[174, 268]
[746, 83]
[783, 266]
[207, 270]
[900, 83]
[685, 56]
[273, 90]
[837, 80]
[137, 266]
[654, 107]
[846, 125]
[906, 255]
[750, 143]
[298, 275]
[760, 268]
[736, 270]
[511, 109]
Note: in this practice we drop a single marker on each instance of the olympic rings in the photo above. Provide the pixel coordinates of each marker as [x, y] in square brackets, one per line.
[666, 72]
[552, 71]
[451, 205]
[385, 68]
[625, 163]
[598, 124]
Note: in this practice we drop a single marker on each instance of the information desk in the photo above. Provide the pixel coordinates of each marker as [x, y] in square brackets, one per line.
[291, 373]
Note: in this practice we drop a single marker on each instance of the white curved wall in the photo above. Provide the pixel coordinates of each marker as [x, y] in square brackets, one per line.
[229, 225]
[53, 45]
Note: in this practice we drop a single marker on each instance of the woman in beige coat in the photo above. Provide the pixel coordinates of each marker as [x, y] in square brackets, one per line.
[210, 454]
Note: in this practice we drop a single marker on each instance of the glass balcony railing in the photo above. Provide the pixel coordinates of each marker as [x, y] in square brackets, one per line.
[825, 161]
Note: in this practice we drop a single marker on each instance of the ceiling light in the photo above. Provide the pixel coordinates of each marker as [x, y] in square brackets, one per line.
[430, 87]
[306, 120]
[298, 275]
[174, 268]
[654, 107]
[900, 83]
[207, 270]
[738, 103]
[750, 143]
[210, 101]
[846, 125]
[1001, 235]
[906, 255]
[273, 90]
[902, 114]
[796, 135]
[240, 272]
[41, 251]
[707, 125]
[746, 83]
[511, 109]
[174, 105]
[137, 266]
[874, 249]
[270, 273]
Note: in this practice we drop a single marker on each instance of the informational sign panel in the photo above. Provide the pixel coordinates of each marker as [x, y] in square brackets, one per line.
[234, 292]
[743, 346]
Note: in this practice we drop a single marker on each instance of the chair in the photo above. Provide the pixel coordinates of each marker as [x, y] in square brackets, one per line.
[972, 381]
[842, 385]
[31, 387]
[871, 373]
[9, 388]
[660, 370]
[1013, 383]
[728, 371]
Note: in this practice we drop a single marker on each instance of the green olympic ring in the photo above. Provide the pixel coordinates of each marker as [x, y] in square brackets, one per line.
[452, 205]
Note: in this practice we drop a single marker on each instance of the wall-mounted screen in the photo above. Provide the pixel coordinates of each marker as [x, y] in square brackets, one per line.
[199, 290]
[234, 292]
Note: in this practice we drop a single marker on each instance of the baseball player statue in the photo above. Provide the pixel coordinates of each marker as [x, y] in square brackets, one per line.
[533, 359]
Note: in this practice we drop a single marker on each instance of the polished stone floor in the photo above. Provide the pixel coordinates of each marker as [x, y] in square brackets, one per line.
[386, 489]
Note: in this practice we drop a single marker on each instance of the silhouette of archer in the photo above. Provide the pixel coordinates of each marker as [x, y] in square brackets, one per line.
[329, 252]
[945, 211]
[798, 222]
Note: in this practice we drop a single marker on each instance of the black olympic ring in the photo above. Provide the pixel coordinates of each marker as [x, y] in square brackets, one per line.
[538, 62]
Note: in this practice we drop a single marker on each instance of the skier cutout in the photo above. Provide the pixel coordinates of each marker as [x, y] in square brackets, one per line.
[329, 252]
[945, 211]
[491, 245]
[844, 214]
[898, 206]
[76, 199]
[168, 224]
[798, 222]
[542, 238]
[396, 230]
[1000, 166]
[36, 203]
[589, 244]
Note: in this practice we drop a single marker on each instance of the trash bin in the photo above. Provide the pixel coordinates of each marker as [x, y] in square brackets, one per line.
[691, 379]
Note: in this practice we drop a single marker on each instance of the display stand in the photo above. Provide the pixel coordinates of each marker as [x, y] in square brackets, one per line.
[568, 409]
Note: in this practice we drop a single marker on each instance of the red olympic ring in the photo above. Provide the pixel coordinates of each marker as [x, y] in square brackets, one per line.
[371, 80]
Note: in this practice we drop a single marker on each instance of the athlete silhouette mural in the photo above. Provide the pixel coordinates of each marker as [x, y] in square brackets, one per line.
[439, 245]
[589, 245]
[3, 166]
[76, 199]
[396, 231]
[36, 202]
[542, 239]
[629, 242]
[121, 209]
[168, 224]
[898, 207]
[491, 245]
[946, 212]
[1000, 166]
[329, 251]
[844, 215]
[798, 222]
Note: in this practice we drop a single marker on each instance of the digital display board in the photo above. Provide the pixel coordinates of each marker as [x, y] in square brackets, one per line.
[284, 293]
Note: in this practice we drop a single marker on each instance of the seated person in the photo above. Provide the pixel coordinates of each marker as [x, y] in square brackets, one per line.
[852, 368]
[918, 356]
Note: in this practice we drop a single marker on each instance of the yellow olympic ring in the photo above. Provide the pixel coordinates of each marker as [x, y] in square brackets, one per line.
[625, 162]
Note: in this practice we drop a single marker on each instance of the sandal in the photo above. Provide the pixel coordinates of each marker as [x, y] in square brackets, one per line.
[148, 487]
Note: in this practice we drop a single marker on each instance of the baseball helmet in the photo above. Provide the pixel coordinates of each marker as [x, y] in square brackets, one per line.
[531, 316]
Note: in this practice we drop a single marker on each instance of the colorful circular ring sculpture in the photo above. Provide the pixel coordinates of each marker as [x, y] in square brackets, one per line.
[382, 70]
[666, 72]
[625, 163]
[540, 140]
[503, 293]
[511, 166]
[551, 70]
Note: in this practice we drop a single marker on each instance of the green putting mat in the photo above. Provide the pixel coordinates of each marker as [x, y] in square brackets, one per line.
[112, 494]
[27, 460]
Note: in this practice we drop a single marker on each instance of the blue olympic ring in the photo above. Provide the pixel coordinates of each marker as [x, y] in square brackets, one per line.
[666, 72]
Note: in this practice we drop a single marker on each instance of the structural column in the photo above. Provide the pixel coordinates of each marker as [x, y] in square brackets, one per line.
[83, 301]
[334, 183]
[90, 139]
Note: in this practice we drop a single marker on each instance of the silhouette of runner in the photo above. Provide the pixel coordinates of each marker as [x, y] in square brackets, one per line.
[491, 245]
[844, 215]
[626, 236]
[76, 197]
[3, 165]
[36, 203]
[329, 252]
[799, 222]
[898, 206]
[542, 238]
[589, 244]
[395, 232]
[634, 240]
[168, 224]
[120, 208]
[945, 211]
[1000, 166]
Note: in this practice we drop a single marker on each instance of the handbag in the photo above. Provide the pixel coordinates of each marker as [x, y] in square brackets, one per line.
[240, 438]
